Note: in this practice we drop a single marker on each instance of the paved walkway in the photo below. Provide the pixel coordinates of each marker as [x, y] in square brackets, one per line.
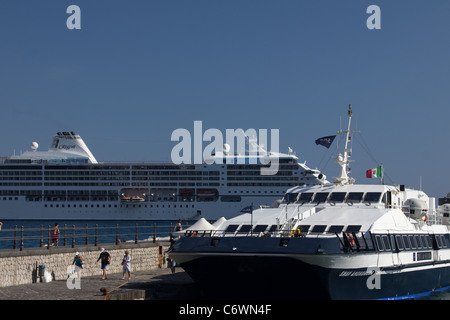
[158, 284]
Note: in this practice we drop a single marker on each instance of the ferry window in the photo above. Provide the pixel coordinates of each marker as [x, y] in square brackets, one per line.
[425, 242]
[320, 197]
[290, 197]
[231, 228]
[260, 228]
[319, 228]
[245, 228]
[337, 197]
[418, 241]
[399, 241]
[335, 229]
[304, 228]
[353, 228]
[372, 197]
[305, 197]
[379, 243]
[412, 241]
[387, 245]
[354, 196]
[273, 228]
[406, 242]
[443, 244]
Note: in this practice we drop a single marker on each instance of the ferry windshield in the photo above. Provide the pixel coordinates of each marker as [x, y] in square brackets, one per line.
[355, 196]
[321, 197]
[305, 197]
[372, 196]
[290, 197]
[337, 197]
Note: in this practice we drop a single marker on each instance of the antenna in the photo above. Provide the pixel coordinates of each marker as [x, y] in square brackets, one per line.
[343, 160]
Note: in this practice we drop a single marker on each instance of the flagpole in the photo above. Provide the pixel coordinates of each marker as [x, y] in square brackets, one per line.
[251, 220]
[382, 174]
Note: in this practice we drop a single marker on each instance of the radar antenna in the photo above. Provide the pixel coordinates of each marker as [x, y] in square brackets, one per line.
[343, 160]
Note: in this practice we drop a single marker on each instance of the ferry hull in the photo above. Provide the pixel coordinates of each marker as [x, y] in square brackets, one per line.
[282, 277]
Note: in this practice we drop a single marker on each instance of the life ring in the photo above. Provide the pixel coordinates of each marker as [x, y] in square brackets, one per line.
[425, 218]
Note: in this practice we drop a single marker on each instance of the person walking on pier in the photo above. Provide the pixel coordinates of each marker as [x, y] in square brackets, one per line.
[78, 261]
[106, 259]
[126, 263]
[55, 235]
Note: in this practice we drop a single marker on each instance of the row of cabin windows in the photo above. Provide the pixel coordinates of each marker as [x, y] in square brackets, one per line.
[411, 242]
[115, 206]
[333, 197]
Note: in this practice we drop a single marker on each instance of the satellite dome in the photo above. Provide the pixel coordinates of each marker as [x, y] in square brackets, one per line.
[34, 146]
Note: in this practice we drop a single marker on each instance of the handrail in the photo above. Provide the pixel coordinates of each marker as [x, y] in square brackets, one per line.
[20, 237]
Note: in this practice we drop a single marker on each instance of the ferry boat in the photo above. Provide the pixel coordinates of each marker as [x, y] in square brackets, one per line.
[338, 240]
[67, 182]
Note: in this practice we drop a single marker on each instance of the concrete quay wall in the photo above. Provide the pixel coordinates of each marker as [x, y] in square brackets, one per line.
[22, 267]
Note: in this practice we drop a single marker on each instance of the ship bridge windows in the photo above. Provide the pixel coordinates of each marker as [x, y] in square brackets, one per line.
[320, 197]
[290, 197]
[337, 197]
[355, 197]
[305, 197]
[372, 197]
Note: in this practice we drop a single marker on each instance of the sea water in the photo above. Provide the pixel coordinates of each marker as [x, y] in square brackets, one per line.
[80, 231]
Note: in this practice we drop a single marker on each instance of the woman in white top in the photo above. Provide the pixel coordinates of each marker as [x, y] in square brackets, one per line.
[126, 265]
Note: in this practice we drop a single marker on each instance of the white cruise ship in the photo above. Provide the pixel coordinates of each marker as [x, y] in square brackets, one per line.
[66, 182]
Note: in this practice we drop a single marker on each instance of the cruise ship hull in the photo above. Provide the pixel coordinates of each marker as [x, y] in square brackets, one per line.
[20, 209]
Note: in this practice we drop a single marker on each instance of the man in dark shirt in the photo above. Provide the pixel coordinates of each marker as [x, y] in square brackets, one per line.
[106, 259]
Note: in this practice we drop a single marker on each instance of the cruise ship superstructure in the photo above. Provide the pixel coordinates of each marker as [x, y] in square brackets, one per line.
[67, 182]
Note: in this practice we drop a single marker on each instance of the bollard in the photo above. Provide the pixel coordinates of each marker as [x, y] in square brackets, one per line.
[15, 238]
[87, 235]
[136, 237]
[48, 239]
[41, 241]
[21, 238]
[73, 236]
[96, 235]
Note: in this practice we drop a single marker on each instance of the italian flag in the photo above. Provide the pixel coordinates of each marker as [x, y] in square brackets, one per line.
[374, 173]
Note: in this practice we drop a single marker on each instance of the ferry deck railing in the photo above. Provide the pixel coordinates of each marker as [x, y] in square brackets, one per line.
[349, 241]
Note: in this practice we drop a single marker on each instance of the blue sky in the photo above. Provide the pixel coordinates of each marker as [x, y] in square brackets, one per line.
[138, 70]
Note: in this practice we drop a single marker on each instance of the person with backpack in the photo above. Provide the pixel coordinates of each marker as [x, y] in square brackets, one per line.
[106, 259]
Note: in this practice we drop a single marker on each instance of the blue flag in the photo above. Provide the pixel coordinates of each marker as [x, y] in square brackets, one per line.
[325, 141]
[248, 209]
